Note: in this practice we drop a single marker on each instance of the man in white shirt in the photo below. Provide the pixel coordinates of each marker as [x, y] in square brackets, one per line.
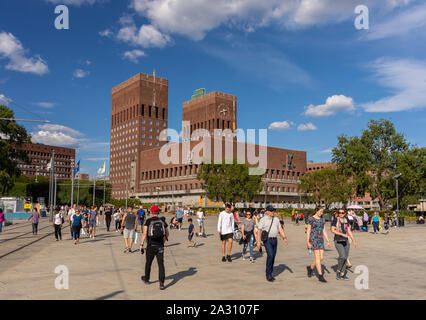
[71, 212]
[200, 219]
[225, 228]
[272, 226]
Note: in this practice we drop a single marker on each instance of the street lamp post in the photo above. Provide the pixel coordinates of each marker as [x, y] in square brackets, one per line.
[396, 187]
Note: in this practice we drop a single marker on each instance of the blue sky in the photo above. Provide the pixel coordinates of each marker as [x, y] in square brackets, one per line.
[298, 67]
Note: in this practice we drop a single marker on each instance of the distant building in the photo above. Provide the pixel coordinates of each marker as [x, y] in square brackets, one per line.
[40, 155]
[82, 176]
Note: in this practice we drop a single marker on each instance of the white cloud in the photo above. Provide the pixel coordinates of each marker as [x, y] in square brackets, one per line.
[280, 126]
[59, 128]
[80, 73]
[133, 55]
[334, 104]
[47, 105]
[146, 36]
[330, 150]
[306, 127]
[57, 135]
[409, 20]
[11, 48]
[195, 18]
[405, 78]
[106, 33]
[4, 100]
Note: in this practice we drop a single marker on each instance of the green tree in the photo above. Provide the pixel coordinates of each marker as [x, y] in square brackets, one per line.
[369, 160]
[229, 182]
[12, 136]
[328, 185]
[412, 167]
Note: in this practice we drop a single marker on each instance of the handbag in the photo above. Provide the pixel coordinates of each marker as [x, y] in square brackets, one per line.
[265, 235]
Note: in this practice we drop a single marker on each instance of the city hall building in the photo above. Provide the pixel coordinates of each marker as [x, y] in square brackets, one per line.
[142, 167]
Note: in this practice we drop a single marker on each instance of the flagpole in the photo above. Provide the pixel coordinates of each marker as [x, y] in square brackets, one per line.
[104, 192]
[78, 189]
[72, 181]
[94, 186]
[56, 187]
[52, 170]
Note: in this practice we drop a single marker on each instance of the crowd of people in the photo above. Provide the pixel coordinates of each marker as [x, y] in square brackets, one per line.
[258, 228]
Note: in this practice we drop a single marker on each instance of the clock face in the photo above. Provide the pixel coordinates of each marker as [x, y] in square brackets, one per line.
[223, 110]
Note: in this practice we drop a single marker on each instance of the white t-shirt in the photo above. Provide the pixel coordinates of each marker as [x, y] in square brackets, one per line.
[58, 218]
[185, 212]
[71, 212]
[226, 222]
[200, 215]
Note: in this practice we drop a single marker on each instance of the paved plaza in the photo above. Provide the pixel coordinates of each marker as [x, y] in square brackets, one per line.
[98, 269]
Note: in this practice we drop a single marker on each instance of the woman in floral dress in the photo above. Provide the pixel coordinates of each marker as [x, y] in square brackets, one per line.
[315, 235]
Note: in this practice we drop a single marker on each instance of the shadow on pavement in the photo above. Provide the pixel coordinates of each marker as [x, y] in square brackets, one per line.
[178, 276]
[280, 269]
[173, 244]
[112, 294]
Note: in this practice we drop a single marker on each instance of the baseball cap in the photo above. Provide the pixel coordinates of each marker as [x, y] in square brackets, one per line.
[270, 208]
[155, 209]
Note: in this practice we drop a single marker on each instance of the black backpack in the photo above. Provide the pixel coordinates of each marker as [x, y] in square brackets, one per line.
[156, 230]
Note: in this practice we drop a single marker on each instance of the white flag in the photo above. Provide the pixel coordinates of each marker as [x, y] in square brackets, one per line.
[101, 170]
[49, 165]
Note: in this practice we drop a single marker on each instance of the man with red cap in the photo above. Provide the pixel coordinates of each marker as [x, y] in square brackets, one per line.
[156, 233]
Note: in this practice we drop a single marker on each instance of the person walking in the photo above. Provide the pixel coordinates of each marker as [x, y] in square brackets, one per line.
[34, 217]
[375, 221]
[71, 213]
[129, 227]
[191, 232]
[93, 221]
[395, 219]
[108, 217]
[179, 216]
[141, 218]
[155, 232]
[342, 232]
[76, 223]
[315, 235]
[1, 220]
[225, 229]
[270, 228]
[365, 220]
[247, 229]
[386, 221]
[57, 224]
[200, 220]
[117, 219]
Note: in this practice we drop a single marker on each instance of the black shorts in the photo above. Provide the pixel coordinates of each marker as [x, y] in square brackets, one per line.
[180, 220]
[227, 236]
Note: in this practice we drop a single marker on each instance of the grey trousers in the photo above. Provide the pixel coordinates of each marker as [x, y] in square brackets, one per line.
[343, 251]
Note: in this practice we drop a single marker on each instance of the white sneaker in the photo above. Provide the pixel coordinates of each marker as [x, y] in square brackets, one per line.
[251, 260]
[244, 258]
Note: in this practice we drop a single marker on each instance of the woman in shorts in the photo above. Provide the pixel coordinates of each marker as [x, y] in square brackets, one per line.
[315, 235]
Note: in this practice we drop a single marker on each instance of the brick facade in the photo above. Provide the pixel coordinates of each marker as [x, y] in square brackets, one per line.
[40, 155]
